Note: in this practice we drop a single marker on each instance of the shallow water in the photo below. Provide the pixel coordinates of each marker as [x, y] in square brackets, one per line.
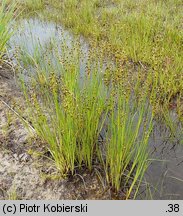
[35, 38]
[34, 33]
[165, 173]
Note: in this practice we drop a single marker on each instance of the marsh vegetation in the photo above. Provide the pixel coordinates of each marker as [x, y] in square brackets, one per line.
[98, 85]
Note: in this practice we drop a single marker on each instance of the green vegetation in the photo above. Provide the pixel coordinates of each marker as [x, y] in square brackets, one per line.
[66, 113]
[104, 116]
[129, 130]
[33, 5]
[147, 32]
[71, 110]
[7, 14]
[12, 195]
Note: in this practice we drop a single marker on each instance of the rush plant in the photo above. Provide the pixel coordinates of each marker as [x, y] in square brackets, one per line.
[129, 129]
[67, 108]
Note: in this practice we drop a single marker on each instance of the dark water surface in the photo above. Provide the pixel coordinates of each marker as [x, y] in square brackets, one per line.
[165, 173]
